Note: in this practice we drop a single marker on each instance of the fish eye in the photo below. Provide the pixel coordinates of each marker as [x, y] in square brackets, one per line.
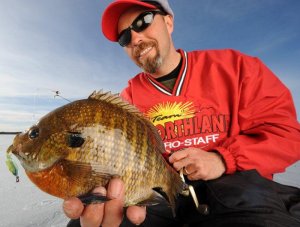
[33, 133]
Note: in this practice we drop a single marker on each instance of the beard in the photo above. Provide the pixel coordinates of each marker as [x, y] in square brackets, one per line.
[150, 64]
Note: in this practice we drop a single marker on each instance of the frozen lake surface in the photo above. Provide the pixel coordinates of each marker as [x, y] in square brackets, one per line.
[23, 204]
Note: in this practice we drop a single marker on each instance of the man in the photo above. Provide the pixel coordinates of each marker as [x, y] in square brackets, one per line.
[224, 112]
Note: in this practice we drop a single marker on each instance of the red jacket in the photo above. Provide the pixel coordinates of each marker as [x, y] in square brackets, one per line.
[224, 101]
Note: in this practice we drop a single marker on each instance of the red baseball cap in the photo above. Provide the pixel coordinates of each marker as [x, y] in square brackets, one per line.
[112, 13]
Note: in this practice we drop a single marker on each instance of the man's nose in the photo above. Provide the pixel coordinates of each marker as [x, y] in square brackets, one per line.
[136, 37]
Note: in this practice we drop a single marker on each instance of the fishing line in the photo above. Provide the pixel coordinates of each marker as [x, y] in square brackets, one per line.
[57, 94]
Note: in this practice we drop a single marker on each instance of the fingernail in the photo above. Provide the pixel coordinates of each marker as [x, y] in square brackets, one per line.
[100, 190]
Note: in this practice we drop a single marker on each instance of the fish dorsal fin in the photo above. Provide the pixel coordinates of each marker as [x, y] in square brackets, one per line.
[117, 100]
[114, 99]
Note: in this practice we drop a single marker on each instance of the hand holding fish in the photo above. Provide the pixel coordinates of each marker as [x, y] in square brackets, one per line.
[198, 164]
[104, 214]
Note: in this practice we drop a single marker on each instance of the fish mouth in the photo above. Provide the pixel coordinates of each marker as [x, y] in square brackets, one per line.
[10, 149]
[31, 163]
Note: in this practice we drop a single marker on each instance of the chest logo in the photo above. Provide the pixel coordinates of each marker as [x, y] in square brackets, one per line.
[166, 112]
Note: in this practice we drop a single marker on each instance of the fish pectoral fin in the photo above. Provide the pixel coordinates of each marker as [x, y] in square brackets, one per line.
[104, 171]
[77, 170]
[93, 198]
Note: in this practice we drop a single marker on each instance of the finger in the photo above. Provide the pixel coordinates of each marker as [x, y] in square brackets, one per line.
[136, 214]
[73, 208]
[193, 176]
[113, 213]
[93, 213]
[181, 164]
[198, 174]
[177, 156]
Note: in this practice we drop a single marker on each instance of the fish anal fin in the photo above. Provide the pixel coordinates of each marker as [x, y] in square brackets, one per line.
[93, 198]
[155, 198]
[169, 198]
[159, 196]
[161, 193]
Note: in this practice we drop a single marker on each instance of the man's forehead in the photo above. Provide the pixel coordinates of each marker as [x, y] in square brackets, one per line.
[129, 15]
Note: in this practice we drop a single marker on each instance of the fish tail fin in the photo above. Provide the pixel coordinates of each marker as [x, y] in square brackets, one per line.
[173, 205]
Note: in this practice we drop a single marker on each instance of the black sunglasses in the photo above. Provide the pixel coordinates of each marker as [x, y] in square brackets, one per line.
[139, 24]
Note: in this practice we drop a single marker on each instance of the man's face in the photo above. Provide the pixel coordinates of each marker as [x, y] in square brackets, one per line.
[146, 48]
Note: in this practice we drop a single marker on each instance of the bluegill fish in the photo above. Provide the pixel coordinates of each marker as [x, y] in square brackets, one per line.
[85, 143]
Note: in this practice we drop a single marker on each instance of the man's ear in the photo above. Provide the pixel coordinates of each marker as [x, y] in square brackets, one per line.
[169, 20]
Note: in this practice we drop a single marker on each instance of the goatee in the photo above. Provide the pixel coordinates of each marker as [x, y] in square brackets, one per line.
[150, 64]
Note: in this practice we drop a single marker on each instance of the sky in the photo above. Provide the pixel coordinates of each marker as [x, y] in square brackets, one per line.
[48, 46]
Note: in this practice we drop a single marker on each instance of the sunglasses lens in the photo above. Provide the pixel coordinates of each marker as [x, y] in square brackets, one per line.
[142, 22]
[139, 24]
[125, 37]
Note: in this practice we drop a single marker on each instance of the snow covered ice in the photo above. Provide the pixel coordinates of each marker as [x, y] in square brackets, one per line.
[24, 205]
